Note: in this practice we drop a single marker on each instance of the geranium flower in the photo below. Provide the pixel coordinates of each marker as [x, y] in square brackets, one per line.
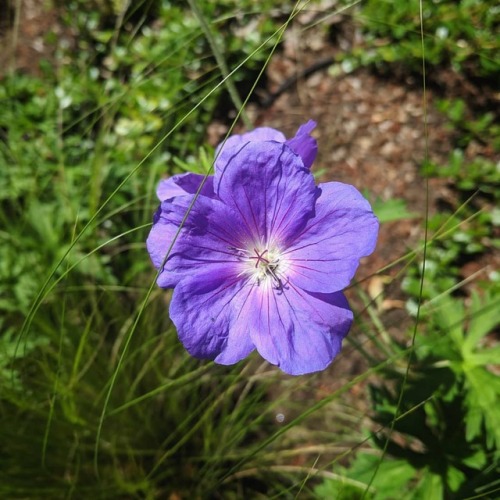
[263, 255]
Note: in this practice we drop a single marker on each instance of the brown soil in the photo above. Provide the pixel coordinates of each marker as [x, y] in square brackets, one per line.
[24, 35]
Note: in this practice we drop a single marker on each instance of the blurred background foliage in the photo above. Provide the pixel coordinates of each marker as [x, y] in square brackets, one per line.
[97, 397]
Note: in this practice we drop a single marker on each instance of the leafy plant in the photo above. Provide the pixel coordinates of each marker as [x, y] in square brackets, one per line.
[445, 431]
[479, 174]
[458, 33]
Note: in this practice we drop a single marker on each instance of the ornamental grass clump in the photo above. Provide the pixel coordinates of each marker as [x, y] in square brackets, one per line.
[262, 253]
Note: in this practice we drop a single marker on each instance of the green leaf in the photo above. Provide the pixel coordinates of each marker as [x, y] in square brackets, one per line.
[485, 316]
[391, 210]
[454, 478]
[450, 315]
[476, 461]
[431, 486]
[392, 477]
[486, 357]
[483, 405]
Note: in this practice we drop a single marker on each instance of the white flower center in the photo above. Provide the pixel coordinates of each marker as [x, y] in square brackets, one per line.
[264, 265]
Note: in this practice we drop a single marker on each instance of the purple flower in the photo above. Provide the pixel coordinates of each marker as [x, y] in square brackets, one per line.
[263, 254]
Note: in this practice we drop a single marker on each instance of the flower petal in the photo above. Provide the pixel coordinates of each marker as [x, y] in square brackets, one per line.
[159, 240]
[326, 253]
[304, 144]
[259, 134]
[207, 237]
[301, 144]
[206, 310]
[182, 184]
[270, 190]
[298, 331]
[225, 150]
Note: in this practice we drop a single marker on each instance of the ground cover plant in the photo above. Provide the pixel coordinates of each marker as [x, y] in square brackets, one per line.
[98, 397]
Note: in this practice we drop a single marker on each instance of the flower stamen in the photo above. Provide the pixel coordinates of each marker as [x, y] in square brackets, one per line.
[266, 266]
[259, 258]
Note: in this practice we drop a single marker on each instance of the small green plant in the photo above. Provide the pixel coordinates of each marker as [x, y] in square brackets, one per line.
[460, 34]
[483, 129]
[480, 174]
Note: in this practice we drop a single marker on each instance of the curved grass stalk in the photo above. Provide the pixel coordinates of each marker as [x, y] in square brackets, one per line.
[55, 389]
[221, 61]
[278, 34]
[424, 254]
[295, 470]
[185, 379]
[320, 404]
[44, 290]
